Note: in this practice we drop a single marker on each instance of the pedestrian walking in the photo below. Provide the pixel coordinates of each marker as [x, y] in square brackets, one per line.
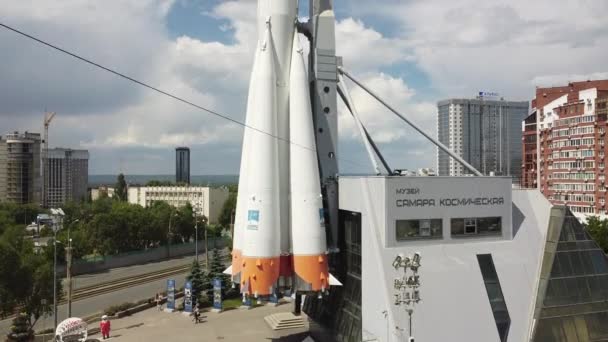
[158, 299]
[104, 326]
[196, 314]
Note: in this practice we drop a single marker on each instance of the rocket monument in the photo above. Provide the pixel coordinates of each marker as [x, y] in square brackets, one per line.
[279, 234]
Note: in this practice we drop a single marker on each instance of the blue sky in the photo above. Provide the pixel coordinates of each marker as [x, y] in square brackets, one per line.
[412, 52]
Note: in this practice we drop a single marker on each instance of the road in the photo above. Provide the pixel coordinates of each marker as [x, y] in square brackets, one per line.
[98, 303]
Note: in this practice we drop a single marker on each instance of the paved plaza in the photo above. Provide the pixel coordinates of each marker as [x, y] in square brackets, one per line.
[233, 325]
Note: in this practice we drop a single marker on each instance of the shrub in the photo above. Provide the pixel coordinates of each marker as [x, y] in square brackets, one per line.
[20, 330]
[112, 310]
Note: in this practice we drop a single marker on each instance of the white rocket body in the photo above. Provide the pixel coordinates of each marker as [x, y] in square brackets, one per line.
[240, 221]
[307, 221]
[283, 15]
[261, 237]
[279, 204]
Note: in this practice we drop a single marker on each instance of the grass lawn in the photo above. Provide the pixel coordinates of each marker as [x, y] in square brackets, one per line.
[233, 303]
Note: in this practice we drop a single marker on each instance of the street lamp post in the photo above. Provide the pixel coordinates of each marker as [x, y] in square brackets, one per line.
[206, 244]
[170, 233]
[196, 236]
[55, 279]
[232, 225]
[407, 291]
[57, 225]
[68, 255]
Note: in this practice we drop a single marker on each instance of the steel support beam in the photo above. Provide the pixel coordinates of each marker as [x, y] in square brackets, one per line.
[414, 126]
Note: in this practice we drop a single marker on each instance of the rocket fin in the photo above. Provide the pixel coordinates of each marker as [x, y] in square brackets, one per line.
[333, 281]
[228, 271]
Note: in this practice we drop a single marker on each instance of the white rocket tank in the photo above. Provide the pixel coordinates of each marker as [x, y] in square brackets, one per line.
[261, 243]
[240, 220]
[307, 223]
[283, 14]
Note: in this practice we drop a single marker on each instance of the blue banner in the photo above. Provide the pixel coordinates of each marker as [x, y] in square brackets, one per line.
[188, 297]
[217, 293]
[274, 298]
[171, 294]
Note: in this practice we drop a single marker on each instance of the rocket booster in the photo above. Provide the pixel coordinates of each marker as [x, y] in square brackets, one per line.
[279, 233]
[283, 15]
[261, 236]
[307, 221]
[241, 204]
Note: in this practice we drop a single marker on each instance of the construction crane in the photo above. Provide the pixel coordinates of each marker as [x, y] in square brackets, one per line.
[48, 117]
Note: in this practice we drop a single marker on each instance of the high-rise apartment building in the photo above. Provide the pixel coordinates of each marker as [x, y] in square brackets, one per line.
[486, 132]
[182, 165]
[67, 176]
[22, 167]
[530, 155]
[570, 150]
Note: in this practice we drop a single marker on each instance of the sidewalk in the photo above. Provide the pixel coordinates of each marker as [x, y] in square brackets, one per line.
[230, 326]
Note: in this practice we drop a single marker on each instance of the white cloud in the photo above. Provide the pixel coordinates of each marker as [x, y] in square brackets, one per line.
[463, 46]
[503, 45]
[112, 116]
[366, 52]
[364, 48]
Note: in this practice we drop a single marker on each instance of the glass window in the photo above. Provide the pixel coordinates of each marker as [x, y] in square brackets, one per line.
[419, 229]
[489, 225]
[599, 262]
[476, 226]
[495, 295]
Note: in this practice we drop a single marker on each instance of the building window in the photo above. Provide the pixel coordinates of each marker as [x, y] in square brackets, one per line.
[495, 295]
[474, 226]
[419, 229]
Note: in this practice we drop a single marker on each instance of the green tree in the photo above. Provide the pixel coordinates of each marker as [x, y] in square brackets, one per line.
[200, 284]
[20, 330]
[39, 296]
[227, 213]
[27, 281]
[216, 269]
[183, 223]
[12, 279]
[598, 229]
[121, 188]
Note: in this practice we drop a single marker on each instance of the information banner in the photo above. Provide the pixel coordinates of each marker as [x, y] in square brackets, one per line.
[188, 297]
[217, 293]
[171, 294]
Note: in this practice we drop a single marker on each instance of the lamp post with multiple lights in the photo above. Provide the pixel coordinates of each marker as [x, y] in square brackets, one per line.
[407, 287]
[58, 215]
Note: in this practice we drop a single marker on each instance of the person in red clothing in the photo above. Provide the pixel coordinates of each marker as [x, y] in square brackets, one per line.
[104, 326]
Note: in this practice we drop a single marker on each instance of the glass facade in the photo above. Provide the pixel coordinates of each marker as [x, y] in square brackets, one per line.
[495, 296]
[475, 226]
[418, 229]
[575, 303]
[182, 165]
[338, 316]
